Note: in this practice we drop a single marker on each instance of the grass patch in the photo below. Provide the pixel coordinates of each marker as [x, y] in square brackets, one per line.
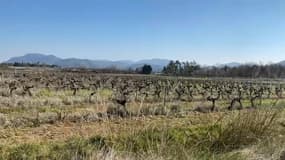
[46, 93]
[217, 140]
[75, 148]
[105, 93]
[241, 130]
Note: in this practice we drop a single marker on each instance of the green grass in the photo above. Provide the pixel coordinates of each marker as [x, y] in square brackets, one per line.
[220, 139]
[75, 148]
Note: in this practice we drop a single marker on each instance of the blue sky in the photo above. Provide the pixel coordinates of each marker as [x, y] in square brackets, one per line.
[208, 31]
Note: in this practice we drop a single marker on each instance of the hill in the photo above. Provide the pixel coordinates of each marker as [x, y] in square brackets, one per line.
[157, 64]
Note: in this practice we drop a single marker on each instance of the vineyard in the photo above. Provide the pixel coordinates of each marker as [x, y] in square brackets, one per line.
[75, 114]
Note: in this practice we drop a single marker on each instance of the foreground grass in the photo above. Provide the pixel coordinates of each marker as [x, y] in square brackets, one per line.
[220, 137]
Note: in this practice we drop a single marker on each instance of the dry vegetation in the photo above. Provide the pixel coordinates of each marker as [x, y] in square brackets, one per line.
[55, 114]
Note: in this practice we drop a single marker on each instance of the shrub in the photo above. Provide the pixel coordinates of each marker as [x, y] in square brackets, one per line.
[145, 69]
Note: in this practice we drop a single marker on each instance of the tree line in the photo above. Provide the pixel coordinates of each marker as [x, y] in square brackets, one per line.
[191, 69]
[177, 68]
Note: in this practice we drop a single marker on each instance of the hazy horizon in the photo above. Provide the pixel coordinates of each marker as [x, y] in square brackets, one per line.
[245, 62]
[209, 32]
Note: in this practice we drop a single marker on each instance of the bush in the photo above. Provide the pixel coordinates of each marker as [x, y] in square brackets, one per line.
[145, 69]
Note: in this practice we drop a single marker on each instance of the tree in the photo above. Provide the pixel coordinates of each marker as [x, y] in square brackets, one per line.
[178, 68]
[145, 69]
[170, 69]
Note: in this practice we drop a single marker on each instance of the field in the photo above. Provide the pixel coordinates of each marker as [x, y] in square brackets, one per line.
[75, 114]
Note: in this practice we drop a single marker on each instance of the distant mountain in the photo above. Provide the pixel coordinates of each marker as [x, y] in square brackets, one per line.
[157, 64]
[282, 63]
[236, 64]
[35, 58]
[231, 64]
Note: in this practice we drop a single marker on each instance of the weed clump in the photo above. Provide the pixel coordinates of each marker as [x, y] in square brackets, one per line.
[225, 135]
[117, 111]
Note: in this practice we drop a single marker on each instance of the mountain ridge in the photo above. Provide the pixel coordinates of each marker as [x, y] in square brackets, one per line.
[156, 63]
